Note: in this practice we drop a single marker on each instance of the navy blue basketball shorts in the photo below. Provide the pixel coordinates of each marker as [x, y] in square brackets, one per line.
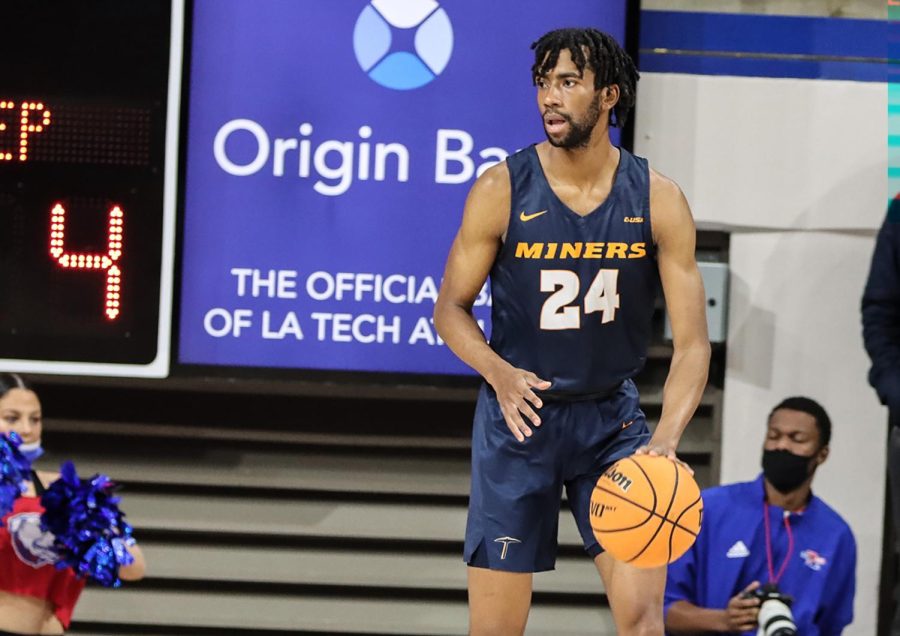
[517, 486]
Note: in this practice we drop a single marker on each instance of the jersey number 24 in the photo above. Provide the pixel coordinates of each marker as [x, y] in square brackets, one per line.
[558, 311]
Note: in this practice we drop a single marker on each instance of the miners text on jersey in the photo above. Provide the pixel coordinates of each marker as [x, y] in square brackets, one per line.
[573, 294]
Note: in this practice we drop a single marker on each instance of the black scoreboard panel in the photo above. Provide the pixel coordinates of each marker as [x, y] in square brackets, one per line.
[84, 115]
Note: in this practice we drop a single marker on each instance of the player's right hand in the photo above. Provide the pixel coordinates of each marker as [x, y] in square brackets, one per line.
[516, 398]
[741, 613]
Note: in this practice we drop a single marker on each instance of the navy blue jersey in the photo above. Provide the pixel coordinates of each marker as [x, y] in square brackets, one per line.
[573, 295]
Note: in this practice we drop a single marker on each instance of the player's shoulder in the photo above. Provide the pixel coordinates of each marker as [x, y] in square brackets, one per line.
[663, 188]
[489, 200]
[493, 182]
[668, 207]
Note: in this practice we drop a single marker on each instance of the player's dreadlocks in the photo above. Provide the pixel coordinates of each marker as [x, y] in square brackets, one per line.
[611, 65]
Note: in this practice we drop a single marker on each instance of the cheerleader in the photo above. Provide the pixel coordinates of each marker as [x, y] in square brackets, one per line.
[37, 595]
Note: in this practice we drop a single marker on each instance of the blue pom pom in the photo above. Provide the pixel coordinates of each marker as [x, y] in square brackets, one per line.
[15, 472]
[91, 532]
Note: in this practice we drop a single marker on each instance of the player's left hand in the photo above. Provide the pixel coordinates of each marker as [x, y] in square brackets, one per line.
[659, 449]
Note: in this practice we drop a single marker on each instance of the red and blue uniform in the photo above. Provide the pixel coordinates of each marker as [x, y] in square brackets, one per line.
[27, 561]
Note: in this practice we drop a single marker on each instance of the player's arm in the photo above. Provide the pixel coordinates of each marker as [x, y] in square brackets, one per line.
[474, 249]
[675, 237]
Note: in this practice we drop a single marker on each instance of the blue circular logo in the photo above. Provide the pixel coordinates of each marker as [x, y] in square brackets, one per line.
[403, 44]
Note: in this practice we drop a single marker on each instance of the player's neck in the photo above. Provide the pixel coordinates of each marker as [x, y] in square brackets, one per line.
[794, 500]
[584, 166]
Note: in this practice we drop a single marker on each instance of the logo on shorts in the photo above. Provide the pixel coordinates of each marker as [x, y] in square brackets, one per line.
[403, 44]
[506, 541]
[627, 424]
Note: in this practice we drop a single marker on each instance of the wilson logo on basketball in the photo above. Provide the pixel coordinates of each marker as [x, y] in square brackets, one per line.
[652, 514]
[597, 509]
[619, 479]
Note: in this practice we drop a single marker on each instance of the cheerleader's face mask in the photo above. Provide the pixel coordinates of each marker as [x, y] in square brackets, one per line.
[20, 411]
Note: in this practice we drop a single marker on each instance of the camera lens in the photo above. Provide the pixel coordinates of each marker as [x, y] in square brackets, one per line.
[775, 619]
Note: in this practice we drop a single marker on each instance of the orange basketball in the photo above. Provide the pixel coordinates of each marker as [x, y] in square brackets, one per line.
[646, 510]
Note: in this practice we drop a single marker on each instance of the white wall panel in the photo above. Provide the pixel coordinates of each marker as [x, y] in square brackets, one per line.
[873, 9]
[769, 153]
[795, 330]
[796, 170]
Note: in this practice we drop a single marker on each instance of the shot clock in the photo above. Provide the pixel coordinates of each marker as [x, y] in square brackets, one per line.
[89, 94]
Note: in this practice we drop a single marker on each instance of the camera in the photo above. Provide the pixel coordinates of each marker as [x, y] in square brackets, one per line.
[775, 617]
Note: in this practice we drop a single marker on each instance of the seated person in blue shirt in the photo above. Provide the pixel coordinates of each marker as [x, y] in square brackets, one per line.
[771, 531]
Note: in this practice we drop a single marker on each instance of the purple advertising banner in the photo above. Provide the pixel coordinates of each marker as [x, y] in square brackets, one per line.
[331, 146]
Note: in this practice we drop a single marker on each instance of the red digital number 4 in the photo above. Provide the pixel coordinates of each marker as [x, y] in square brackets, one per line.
[107, 262]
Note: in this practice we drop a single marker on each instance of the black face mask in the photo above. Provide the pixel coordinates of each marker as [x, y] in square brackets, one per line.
[785, 470]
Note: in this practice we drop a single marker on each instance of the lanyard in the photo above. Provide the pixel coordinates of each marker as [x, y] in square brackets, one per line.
[773, 578]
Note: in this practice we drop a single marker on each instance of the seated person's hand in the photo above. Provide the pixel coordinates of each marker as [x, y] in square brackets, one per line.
[741, 613]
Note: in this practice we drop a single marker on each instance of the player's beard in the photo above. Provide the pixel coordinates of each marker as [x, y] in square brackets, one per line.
[580, 132]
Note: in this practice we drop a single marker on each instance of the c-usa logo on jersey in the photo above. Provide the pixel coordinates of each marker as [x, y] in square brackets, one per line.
[33, 546]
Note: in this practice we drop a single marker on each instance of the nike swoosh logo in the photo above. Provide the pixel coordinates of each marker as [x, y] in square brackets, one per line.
[627, 424]
[527, 217]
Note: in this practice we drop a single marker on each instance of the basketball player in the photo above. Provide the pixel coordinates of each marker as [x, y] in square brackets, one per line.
[574, 233]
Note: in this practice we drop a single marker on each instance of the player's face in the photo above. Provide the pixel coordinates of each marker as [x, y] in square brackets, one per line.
[569, 104]
[20, 412]
[794, 431]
